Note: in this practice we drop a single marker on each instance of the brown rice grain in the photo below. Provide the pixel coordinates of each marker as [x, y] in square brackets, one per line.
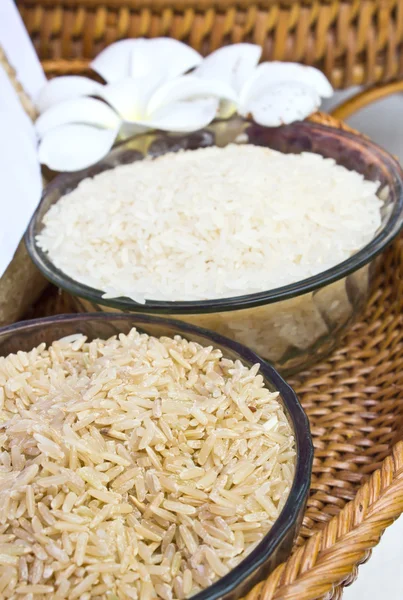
[137, 467]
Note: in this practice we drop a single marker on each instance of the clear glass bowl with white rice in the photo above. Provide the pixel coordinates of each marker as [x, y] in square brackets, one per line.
[258, 237]
[143, 458]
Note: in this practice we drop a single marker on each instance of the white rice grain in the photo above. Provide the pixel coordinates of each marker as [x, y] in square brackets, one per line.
[198, 225]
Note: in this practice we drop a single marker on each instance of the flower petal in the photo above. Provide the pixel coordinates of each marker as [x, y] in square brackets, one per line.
[64, 88]
[128, 97]
[280, 72]
[114, 62]
[79, 110]
[282, 103]
[73, 147]
[231, 64]
[189, 87]
[184, 116]
[165, 56]
[142, 57]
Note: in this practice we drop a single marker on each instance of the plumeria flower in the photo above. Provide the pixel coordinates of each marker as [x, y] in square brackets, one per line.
[146, 87]
[81, 119]
[272, 93]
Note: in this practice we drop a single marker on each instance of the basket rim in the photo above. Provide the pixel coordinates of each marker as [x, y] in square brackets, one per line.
[328, 559]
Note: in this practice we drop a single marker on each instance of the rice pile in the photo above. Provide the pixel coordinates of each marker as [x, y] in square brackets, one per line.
[134, 467]
[210, 223]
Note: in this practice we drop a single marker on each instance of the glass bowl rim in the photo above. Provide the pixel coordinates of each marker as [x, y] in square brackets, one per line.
[299, 420]
[339, 271]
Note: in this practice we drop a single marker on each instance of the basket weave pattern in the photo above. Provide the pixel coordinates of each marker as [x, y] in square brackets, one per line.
[353, 42]
[354, 402]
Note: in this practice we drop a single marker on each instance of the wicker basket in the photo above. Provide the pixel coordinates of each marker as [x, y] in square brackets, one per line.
[353, 42]
[354, 401]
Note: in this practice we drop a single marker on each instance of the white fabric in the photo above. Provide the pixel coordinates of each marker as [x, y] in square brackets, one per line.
[20, 172]
[18, 47]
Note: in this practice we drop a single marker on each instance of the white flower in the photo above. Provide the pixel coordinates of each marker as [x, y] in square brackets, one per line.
[147, 88]
[82, 118]
[273, 93]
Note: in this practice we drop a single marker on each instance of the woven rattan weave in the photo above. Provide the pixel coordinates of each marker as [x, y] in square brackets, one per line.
[353, 42]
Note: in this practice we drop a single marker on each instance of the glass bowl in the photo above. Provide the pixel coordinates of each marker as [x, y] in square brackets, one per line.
[290, 326]
[277, 544]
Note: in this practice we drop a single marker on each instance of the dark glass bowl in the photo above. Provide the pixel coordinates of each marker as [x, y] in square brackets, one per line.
[291, 326]
[277, 544]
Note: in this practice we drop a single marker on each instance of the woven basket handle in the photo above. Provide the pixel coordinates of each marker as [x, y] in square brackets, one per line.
[363, 99]
[331, 556]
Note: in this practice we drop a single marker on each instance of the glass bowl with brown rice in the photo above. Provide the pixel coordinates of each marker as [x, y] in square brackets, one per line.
[301, 235]
[142, 458]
